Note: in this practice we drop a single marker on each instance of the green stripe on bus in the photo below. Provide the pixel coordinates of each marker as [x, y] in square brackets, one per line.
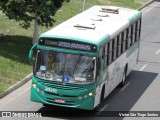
[104, 39]
[132, 19]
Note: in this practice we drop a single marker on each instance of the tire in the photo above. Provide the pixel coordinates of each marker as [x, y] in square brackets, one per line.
[97, 108]
[123, 77]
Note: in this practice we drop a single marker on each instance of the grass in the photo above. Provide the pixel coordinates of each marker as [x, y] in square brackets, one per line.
[14, 47]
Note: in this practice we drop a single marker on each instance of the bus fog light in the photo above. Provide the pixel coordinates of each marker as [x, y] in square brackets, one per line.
[80, 97]
[90, 94]
[34, 85]
[85, 96]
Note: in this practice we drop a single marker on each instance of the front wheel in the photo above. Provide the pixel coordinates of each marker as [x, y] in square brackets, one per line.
[123, 78]
[97, 108]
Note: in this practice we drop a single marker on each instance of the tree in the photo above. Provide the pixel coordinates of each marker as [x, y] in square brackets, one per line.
[24, 11]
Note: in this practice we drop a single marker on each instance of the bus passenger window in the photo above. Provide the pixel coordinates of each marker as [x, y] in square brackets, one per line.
[133, 34]
[106, 53]
[124, 41]
[103, 56]
[128, 38]
[110, 52]
[138, 25]
[114, 48]
[137, 31]
[119, 39]
[100, 52]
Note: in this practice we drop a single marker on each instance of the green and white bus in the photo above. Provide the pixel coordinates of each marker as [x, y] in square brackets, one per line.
[81, 61]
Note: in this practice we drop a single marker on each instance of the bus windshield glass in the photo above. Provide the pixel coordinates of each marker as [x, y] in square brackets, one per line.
[64, 67]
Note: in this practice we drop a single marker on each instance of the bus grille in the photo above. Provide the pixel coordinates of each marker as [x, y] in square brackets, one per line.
[55, 94]
[61, 86]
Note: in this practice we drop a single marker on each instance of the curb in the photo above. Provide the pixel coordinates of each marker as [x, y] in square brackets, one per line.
[148, 3]
[28, 77]
[15, 86]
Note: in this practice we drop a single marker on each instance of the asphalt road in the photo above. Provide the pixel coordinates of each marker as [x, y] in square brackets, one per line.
[140, 93]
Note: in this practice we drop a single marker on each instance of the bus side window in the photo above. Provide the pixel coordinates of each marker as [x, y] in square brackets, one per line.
[114, 48]
[99, 61]
[103, 56]
[119, 38]
[106, 55]
[40, 61]
[124, 42]
[133, 34]
[138, 29]
[128, 38]
[109, 52]
[100, 52]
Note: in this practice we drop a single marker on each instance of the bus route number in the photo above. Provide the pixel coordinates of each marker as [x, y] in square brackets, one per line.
[50, 90]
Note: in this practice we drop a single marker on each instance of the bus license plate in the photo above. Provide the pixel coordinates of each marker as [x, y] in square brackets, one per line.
[60, 101]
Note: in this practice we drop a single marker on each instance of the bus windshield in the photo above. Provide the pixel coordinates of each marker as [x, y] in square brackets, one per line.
[64, 67]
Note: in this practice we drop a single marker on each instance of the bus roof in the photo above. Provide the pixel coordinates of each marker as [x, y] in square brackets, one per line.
[95, 24]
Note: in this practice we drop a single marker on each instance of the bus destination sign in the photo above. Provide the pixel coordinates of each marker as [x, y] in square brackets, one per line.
[68, 44]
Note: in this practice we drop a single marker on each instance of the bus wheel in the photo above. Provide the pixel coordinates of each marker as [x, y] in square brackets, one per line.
[123, 77]
[97, 108]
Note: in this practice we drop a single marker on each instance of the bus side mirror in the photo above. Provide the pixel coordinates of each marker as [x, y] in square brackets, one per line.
[31, 53]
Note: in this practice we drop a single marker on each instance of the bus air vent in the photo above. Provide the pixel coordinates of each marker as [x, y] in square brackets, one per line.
[85, 26]
[103, 15]
[110, 10]
[96, 19]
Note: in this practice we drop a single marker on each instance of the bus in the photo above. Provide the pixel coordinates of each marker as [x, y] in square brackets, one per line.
[78, 63]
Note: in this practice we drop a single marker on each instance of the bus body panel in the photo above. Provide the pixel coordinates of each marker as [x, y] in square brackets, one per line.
[42, 92]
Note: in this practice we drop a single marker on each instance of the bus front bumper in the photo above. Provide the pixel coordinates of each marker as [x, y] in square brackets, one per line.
[86, 102]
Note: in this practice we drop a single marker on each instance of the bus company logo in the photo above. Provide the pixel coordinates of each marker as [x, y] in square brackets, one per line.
[6, 114]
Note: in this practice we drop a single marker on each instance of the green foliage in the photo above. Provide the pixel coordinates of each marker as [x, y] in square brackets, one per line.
[24, 11]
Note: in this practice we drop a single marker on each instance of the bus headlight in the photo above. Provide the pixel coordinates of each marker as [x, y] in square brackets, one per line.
[90, 93]
[86, 96]
[37, 89]
[34, 85]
